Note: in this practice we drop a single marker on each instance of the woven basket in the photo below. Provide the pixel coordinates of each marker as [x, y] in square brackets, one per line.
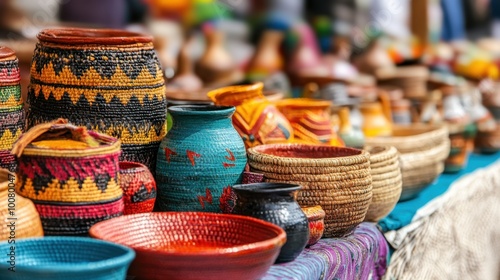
[338, 179]
[386, 179]
[71, 174]
[109, 81]
[17, 209]
[11, 107]
[411, 79]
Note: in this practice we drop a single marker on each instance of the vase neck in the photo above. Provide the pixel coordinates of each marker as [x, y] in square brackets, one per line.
[200, 115]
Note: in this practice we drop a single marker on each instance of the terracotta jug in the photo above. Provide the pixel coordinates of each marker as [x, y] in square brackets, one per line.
[256, 119]
[185, 79]
[216, 64]
[377, 117]
[375, 57]
[267, 58]
[310, 119]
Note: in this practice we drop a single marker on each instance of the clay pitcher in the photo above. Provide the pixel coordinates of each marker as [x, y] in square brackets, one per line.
[267, 59]
[376, 117]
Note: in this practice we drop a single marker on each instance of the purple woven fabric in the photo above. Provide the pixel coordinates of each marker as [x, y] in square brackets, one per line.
[362, 255]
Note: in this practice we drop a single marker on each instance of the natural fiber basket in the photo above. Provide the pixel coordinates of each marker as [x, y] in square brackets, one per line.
[17, 209]
[387, 181]
[423, 149]
[109, 81]
[11, 107]
[61, 166]
[338, 179]
[411, 79]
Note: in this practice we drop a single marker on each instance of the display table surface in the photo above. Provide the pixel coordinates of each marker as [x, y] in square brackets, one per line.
[362, 255]
[403, 213]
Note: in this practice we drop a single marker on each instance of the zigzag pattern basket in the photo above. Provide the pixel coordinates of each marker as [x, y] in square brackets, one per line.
[71, 175]
[11, 107]
[336, 178]
[107, 80]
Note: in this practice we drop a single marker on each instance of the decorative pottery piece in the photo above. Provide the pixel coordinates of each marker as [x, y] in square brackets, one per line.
[16, 208]
[190, 245]
[275, 203]
[139, 188]
[11, 107]
[109, 81]
[376, 120]
[375, 57]
[216, 64]
[423, 148]
[352, 136]
[184, 78]
[267, 59]
[62, 258]
[386, 179]
[199, 160]
[256, 119]
[411, 79]
[310, 119]
[71, 174]
[336, 178]
[316, 218]
[400, 111]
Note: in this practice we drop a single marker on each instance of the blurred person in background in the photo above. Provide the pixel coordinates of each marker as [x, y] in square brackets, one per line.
[495, 15]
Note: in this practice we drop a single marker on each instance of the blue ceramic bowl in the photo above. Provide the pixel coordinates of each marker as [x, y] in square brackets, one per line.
[64, 258]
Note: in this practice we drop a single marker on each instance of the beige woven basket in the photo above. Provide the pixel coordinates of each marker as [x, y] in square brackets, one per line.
[338, 179]
[423, 149]
[386, 180]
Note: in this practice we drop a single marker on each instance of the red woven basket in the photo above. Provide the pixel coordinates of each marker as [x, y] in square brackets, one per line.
[195, 245]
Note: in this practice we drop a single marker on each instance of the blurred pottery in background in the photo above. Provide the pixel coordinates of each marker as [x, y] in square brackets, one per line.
[376, 119]
[267, 58]
[352, 136]
[256, 119]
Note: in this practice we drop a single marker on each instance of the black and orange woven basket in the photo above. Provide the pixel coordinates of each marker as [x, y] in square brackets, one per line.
[71, 174]
[109, 81]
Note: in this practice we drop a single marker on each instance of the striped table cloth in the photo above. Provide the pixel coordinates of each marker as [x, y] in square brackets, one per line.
[362, 255]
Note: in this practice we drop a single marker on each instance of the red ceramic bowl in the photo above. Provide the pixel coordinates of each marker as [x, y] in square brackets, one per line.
[194, 245]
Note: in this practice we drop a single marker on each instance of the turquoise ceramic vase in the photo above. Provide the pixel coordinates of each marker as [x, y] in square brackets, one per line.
[199, 160]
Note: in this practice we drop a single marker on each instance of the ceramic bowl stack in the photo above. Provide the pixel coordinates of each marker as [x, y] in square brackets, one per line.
[336, 178]
[423, 149]
[386, 179]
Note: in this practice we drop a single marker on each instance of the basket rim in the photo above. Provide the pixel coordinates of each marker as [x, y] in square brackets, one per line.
[239, 250]
[78, 36]
[127, 256]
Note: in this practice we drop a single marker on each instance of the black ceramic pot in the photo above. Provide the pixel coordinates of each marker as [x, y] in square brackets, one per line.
[275, 203]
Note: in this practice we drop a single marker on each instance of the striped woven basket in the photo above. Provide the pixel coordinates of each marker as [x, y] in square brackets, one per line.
[386, 179]
[336, 178]
[19, 210]
[11, 107]
[71, 175]
[423, 149]
[109, 81]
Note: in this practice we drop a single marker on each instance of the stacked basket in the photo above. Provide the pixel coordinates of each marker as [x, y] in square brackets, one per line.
[338, 179]
[423, 149]
[386, 179]
[71, 175]
[11, 107]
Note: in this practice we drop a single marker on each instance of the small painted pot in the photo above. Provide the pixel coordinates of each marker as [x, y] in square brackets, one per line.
[316, 217]
[139, 188]
[275, 203]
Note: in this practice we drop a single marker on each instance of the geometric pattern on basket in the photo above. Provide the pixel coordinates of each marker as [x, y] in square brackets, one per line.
[84, 179]
[10, 96]
[81, 211]
[114, 90]
[9, 71]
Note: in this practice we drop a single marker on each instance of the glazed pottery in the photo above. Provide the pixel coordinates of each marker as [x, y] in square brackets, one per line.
[275, 203]
[71, 174]
[387, 181]
[267, 58]
[376, 120]
[109, 81]
[316, 218]
[215, 65]
[139, 188]
[352, 136]
[336, 178]
[310, 119]
[63, 258]
[423, 148]
[11, 107]
[199, 160]
[194, 245]
[256, 119]
[16, 208]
